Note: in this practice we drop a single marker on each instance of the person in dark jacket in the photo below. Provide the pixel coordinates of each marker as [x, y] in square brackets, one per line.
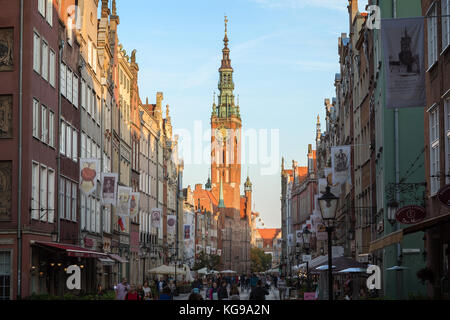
[223, 292]
[258, 292]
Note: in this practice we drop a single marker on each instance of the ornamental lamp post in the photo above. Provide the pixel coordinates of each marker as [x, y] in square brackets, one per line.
[328, 207]
[306, 235]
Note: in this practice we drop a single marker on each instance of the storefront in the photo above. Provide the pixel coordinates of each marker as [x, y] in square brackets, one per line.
[50, 262]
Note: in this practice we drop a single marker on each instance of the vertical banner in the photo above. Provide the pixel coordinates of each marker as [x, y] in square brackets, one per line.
[208, 250]
[198, 249]
[124, 201]
[299, 237]
[187, 231]
[109, 188]
[219, 252]
[89, 173]
[134, 204]
[341, 163]
[171, 224]
[404, 61]
[156, 217]
[290, 240]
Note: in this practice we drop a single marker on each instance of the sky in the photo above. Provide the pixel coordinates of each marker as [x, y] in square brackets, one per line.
[284, 54]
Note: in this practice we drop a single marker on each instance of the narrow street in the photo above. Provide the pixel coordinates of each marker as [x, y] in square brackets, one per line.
[273, 295]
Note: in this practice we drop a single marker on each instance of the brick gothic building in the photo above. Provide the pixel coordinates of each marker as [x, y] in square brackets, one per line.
[233, 210]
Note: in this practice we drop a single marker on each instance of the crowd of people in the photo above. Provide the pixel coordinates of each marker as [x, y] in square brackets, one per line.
[217, 287]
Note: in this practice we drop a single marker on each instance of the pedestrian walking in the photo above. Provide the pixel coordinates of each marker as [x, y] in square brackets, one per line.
[223, 292]
[147, 291]
[234, 293]
[282, 286]
[166, 294]
[258, 292]
[195, 295]
[132, 294]
[122, 289]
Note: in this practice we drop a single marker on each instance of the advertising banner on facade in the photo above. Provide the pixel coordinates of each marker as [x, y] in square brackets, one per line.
[109, 188]
[341, 164]
[291, 240]
[335, 186]
[134, 204]
[299, 237]
[171, 224]
[156, 217]
[404, 62]
[219, 252]
[124, 201]
[187, 231]
[89, 173]
[208, 250]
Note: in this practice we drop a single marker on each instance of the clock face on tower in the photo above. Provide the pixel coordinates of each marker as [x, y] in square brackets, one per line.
[221, 134]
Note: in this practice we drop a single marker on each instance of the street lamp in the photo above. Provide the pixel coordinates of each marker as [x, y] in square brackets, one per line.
[306, 235]
[328, 207]
[392, 211]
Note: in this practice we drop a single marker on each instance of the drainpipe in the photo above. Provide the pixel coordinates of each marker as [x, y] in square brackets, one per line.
[19, 193]
[61, 49]
[397, 171]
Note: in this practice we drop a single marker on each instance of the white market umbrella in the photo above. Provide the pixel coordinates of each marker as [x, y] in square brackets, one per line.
[163, 269]
[203, 271]
[325, 267]
[228, 271]
[353, 270]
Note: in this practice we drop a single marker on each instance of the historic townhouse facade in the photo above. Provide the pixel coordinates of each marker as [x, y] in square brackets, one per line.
[84, 102]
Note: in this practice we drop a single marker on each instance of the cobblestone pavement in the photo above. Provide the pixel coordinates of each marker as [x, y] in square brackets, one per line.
[273, 295]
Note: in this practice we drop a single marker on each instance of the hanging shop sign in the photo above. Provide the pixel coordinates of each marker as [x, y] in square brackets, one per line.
[444, 195]
[410, 214]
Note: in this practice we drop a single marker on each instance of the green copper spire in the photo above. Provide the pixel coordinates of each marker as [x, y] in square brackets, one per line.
[226, 106]
[221, 202]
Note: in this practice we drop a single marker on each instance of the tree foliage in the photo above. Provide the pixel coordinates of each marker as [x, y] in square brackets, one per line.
[211, 262]
[260, 261]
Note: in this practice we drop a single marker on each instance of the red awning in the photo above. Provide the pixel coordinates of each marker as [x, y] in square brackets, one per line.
[74, 251]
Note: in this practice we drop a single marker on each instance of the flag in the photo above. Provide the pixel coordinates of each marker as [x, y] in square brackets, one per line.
[124, 201]
[134, 204]
[404, 62]
[122, 223]
[341, 164]
[89, 173]
[109, 188]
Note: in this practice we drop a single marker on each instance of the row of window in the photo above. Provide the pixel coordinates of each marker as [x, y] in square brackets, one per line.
[45, 8]
[145, 182]
[69, 141]
[68, 191]
[90, 101]
[44, 59]
[432, 30]
[42, 193]
[435, 145]
[43, 123]
[69, 84]
[90, 214]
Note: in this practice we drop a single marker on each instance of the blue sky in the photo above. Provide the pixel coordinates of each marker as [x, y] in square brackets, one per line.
[284, 55]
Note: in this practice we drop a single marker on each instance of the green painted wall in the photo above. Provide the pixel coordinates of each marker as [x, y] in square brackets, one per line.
[400, 284]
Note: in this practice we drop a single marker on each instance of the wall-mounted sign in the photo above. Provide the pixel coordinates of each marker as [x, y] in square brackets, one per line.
[444, 195]
[410, 214]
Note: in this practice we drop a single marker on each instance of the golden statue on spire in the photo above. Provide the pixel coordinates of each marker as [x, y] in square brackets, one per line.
[226, 22]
